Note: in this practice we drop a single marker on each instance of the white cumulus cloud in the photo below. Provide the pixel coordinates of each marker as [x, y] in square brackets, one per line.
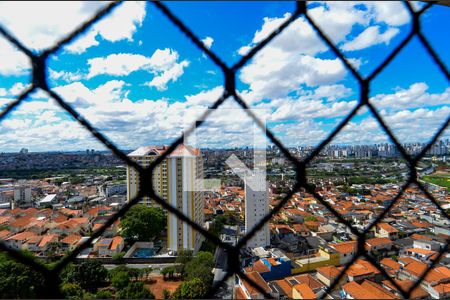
[164, 65]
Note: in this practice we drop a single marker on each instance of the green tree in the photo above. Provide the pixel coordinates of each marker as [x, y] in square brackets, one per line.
[142, 223]
[200, 267]
[120, 280]
[168, 271]
[118, 269]
[88, 296]
[71, 290]
[166, 294]
[104, 295]
[20, 281]
[89, 275]
[193, 289]
[135, 290]
[184, 256]
[118, 257]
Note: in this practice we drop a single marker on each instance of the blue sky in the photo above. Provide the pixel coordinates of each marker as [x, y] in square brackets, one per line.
[139, 80]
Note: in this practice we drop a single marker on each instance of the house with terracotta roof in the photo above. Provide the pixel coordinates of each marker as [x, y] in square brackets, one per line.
[66, 227]
[346, 250]
[281, 289]
[107, 247]
[418, 293]
[379, 246]
[384, 230]
[5, 220]
[110, 231]
[244, 290]
[361, 270]
[32, 244]
[21, 223]
[38, 225]
[4, 234]
[440, 291]
[70, 241]
[19, 239]
[329, 274]
[391, 266]
[49, 242]
[117, 245]
[302, 291]
[366, 290]
[301, 229]
[284, 288]
[70, 212]
[420, 254]
[435, 282]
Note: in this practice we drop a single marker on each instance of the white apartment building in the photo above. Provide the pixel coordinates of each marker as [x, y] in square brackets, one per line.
[175, 180]
[256, 207]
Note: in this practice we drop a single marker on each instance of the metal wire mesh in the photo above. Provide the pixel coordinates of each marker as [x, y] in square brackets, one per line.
[39, 81]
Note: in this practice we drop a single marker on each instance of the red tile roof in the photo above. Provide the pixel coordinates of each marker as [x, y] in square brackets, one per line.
[305, 291]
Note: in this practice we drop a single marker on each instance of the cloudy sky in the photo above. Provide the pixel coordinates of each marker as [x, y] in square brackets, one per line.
[137, 79]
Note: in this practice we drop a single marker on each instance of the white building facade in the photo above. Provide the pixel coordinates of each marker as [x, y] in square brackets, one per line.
[256, 207]
[175, 180]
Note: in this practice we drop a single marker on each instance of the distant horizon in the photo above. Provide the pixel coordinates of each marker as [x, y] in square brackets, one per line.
[223, 148]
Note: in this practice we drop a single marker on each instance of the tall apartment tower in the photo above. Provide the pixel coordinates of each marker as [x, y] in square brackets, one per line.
[176, 181]
[22, 197]
[256, 207]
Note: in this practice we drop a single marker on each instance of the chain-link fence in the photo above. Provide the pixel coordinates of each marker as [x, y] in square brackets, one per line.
[40, 81]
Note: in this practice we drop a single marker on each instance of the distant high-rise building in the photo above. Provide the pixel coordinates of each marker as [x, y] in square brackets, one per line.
[22, 197]
[175, 181]
[23, 151]
[256, 207]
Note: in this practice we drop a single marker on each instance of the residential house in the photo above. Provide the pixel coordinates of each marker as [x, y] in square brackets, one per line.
[19, 239]
[244, 290]
[361, 270]
[303, 291]
[272, 268]
[418, 293]
[391, 266]
[424, 255]
[346, 251]
[384, 230]
[49, 242]
[366, 290]
[379, 246]
[70, 242]
[436, 282]
[327, 275]
[108, 247]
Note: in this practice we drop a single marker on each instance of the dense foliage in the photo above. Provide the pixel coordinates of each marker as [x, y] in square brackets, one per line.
[120, 280]
[197, 270]
[135, 290]
[89, 275]
[142, 223]
[71, 290]
[19, 281]
[193, 289]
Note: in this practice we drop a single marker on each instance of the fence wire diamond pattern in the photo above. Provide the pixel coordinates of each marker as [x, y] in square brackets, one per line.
[39, 81]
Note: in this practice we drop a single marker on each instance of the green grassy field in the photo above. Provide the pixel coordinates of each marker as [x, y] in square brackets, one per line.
[438, 179]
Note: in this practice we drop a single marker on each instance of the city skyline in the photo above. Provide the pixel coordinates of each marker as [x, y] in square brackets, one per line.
[135, 88]
[417, 147]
